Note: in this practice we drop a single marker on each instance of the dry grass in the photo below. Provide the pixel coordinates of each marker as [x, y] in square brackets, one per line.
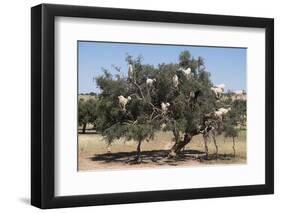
[93, 152]
[87, 97]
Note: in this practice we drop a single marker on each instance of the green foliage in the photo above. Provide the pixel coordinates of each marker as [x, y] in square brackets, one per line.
[234, 118]
[113, 122]
[87, 111]
[197, 65]
[140, 131]
[184, 59]
[143, 115]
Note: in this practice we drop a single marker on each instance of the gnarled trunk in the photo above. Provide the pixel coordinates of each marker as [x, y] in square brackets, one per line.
[177, 147]
[176, 135]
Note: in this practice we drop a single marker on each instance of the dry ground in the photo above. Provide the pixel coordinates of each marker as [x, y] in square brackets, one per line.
[93, 152]
[87, 97]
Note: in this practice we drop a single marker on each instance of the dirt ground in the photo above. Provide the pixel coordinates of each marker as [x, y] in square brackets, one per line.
[94, 153]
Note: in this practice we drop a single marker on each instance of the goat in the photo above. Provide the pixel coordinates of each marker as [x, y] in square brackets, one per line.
[175, 81]
[163, 126]
[224, 110]
[239, 95]
[149, 81]
[130, 71]
[218, 90]
[186, 72]
[238, 92]
[221, 112]
[123, 101]
[164, 107]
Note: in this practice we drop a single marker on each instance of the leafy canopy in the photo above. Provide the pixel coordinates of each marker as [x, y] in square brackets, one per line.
[143, 115]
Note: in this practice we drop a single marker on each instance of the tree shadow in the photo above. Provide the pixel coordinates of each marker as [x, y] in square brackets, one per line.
[88, 132]
[157, 157]
[25, 200]
[221, 157]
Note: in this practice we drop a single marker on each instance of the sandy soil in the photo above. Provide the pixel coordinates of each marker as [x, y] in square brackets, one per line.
[94, 153]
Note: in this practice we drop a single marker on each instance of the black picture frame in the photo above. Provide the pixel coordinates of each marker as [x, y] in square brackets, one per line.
[43, 102]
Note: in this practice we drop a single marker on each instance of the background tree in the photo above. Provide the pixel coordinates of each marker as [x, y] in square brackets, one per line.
[87, 112]
[235, 118]
[92, 94]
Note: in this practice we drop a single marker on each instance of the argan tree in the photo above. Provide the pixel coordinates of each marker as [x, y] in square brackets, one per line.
[188, 103]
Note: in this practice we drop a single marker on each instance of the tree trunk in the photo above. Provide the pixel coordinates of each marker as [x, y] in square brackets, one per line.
[138, 157]
[84, 128]
[205, 137]
[176, 135]
[233, 146]
[215, 142]
[178, 146]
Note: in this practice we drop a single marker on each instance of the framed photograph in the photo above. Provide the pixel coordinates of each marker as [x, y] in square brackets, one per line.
[136, 106]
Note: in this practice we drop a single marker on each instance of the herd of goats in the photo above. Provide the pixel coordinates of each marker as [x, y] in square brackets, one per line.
[217, 89]
[210, 127]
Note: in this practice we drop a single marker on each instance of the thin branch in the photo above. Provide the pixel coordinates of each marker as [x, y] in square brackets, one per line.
[137, 96]
[139, 88]
[144, 99]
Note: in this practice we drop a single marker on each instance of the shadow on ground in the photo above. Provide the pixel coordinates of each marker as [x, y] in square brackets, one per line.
[158, 157]
[88, 132]
[25, 200]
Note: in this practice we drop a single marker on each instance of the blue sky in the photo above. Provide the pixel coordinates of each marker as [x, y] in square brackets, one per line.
[226, 65]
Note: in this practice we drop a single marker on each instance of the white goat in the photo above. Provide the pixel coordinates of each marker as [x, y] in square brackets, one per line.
[238, 92]
[149, 81]
[176, 81]
[123, 101]
[186, 72]
[222, 112]
[164, 107]
[163, 126]
[239, 95]
[130, 71]
[218, 90]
